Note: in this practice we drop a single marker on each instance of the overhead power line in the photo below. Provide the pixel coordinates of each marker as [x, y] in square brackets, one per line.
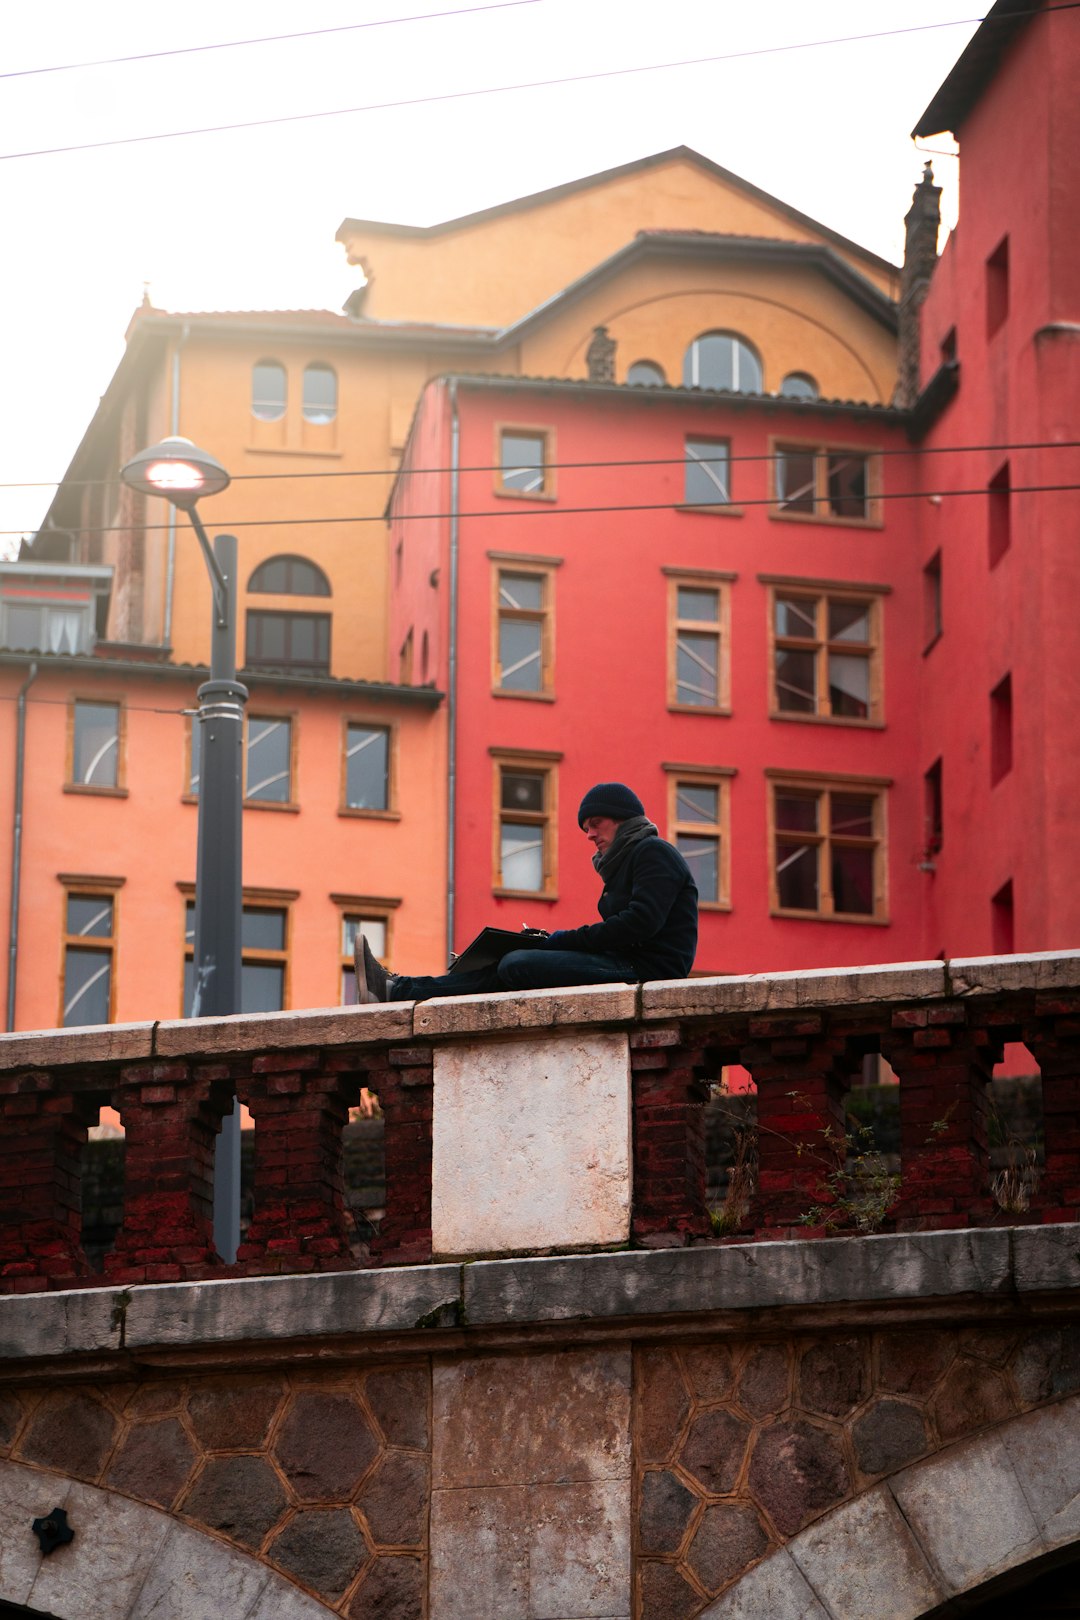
[564, 466]
[264, 39]
[556, 509]
[507, 89]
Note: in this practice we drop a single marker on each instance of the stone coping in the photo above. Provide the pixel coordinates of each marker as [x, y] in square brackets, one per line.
[898, 1268]
[512, 1012]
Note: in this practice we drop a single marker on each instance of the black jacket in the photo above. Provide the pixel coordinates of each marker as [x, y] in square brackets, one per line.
[649, 912]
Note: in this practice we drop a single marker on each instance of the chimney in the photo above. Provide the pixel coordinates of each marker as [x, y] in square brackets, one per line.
[920, 255]
[600, 356]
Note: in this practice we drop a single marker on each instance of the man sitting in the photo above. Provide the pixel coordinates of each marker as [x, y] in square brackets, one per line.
[648, 927]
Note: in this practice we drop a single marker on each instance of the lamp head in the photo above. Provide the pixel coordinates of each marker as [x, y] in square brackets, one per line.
[177, 470]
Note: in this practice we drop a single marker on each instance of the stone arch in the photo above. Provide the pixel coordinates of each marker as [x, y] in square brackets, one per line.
[125, 1557]
[940, 1530]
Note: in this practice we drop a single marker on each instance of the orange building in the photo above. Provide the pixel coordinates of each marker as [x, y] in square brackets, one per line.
[666, 270]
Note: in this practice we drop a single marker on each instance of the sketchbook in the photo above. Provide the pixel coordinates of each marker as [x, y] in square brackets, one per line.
[491, 945]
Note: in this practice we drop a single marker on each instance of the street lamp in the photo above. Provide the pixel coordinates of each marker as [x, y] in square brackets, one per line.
[181, 473]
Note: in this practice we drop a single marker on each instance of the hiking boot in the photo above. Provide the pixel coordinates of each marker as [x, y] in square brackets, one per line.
[372, 979]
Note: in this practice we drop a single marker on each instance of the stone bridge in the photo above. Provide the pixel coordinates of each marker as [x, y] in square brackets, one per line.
[551, 1392]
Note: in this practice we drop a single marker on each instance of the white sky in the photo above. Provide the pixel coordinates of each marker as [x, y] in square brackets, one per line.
[246, 220]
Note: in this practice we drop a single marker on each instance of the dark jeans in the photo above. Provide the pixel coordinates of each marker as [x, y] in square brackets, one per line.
[521, 970]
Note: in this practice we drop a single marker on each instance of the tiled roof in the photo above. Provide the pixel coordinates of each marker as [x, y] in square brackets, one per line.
[426, 696]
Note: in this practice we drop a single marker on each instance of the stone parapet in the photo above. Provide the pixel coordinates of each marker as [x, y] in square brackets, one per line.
[538, 1122]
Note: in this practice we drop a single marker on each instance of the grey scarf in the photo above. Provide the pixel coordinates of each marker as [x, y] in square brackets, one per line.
[630, 832]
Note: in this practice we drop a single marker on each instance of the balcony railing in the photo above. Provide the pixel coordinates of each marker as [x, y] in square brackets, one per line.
[543, 1122]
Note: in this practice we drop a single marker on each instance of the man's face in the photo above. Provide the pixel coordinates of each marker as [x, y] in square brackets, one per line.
[600, 830]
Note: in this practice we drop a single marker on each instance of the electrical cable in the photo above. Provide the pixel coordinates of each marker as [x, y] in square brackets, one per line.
[558, 466]
[265, 39]
[558, 510]
[506, 89]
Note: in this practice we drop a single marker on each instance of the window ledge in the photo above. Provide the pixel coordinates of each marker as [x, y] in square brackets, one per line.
[522, 495]
[530, 697]
[98, 792]
[524, 894]
[714, 905]
[848, 917]
[829, 522]
[288, 450]
[356, 811]
[705, 510]
[271, 804]
[698, 708]
[849, 720]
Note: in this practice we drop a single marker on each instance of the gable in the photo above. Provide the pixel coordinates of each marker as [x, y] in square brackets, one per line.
[493, 267]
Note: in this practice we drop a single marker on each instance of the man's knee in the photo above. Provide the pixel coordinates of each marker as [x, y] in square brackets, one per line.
[513, 970]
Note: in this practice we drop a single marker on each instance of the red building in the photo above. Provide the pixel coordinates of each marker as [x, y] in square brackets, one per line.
[708, 596]
[831, 645]
[999, 683]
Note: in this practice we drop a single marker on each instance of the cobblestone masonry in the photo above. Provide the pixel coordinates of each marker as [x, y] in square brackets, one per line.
[740, 1444]
[550, 1489]
[324, 1477]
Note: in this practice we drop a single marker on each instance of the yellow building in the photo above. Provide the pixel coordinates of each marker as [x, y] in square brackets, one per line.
[667, 272]
[699, 278]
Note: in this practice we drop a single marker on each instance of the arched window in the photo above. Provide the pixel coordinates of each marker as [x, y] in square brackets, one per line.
[722, 360]
[320, 393]
[646, 374]
[268, 390]
[288, 576]
[799, 385]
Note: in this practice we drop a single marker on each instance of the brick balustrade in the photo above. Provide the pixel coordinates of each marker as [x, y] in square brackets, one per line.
[653, 1051]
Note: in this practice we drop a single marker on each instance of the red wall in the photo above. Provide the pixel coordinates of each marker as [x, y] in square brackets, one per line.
[610, 718]
[1020, 160]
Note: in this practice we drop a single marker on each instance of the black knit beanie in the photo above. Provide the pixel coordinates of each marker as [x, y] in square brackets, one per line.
[609, 799]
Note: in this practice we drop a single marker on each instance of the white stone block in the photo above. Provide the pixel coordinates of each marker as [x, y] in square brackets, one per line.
[531, 1145]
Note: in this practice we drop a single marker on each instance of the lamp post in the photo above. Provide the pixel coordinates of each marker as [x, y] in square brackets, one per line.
[180, 472]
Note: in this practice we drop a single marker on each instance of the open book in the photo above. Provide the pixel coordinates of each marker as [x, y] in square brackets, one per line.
[492, 944]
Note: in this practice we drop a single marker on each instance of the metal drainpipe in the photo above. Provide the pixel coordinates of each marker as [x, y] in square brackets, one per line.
[16, 844]
[451, 695]
[174, 429]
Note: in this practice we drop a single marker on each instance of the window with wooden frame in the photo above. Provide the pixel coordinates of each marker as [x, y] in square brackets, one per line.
[828, 843]
[523, 621]
[193, 760]
[373, 918]
[367, 769]
[698, 823]
[524, 824]
[825, 483]
[264, 945]
[699, 617]
[297, 643]
[933, 622]
[707, 472]
[88, 951]
[405, 660]
[269, 743]
[523, 461]
[825, 652]
[933, 810]
[95, 747]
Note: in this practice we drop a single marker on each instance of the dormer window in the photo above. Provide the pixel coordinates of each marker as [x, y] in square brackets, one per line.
[52, 608]
[799, 385]
[320, 393]
[269, 391]
[722, 360]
